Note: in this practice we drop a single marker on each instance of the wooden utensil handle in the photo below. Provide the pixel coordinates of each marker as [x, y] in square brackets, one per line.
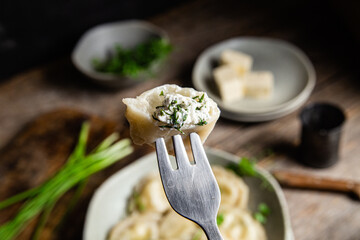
[292, 179]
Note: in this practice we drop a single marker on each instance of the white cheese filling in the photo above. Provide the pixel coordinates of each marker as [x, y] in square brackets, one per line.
[177, 111]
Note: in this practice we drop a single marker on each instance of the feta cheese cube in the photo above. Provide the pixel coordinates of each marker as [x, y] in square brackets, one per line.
[258, 84]
[241, 62]
[229, 83]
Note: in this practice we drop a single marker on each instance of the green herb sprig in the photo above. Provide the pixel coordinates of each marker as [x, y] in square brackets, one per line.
[172, 110]
[131, 62]
[246, 167]
[262, 213]
[220, 219]
[201, 122]
[135, 203]
[77, 169]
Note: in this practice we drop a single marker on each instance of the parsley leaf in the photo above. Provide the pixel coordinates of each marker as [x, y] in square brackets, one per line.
[202, 122]
[131, 62]
[220, 219]
[262, 213]
[245, 167]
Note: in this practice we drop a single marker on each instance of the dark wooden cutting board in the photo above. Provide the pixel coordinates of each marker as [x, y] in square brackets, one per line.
[39, 150]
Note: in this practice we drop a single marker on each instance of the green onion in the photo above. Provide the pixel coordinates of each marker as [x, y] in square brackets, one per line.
[76, 170]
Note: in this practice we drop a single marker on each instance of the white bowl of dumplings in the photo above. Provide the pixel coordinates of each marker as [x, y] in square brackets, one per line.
[131, 205]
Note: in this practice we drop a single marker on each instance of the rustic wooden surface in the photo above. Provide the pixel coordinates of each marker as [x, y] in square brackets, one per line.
[193, 27]
[39, 150]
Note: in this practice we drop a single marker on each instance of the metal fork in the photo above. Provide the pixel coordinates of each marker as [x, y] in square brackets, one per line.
[191, 190]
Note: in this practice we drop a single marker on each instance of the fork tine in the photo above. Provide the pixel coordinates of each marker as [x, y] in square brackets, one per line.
[180, 152]
[198, 150]
[163, 157]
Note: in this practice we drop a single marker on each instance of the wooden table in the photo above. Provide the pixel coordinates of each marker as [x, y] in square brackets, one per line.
[192, 27]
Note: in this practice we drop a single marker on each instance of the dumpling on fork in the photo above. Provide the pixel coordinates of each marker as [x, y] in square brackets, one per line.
[169, 110]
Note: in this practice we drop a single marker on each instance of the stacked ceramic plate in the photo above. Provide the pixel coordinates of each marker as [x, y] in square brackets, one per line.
[294, 78]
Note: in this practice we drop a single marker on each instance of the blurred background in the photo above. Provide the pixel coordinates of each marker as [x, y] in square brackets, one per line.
[44, 98]
[34, 32]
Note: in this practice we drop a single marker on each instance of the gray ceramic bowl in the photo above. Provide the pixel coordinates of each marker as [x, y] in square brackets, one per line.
[100, 40]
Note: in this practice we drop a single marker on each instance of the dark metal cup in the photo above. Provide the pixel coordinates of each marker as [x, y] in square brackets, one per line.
[320, 134]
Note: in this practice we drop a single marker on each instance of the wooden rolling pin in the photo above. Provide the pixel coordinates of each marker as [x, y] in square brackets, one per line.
[298, 180]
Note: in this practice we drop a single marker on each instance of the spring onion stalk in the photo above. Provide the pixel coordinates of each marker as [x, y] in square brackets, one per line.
[42, 221]
[76, 170]
[70, 207]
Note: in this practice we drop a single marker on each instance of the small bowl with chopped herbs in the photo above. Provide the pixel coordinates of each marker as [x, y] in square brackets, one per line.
[122, 53]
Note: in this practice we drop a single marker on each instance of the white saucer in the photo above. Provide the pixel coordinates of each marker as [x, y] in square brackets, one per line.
[293, 72]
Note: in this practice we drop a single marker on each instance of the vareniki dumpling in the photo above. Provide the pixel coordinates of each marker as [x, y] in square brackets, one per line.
[234, 192]
[170, 110]
[137, 227]
[149, 195]
[239, 224]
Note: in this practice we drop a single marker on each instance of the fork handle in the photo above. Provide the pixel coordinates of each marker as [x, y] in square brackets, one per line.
[211, 230]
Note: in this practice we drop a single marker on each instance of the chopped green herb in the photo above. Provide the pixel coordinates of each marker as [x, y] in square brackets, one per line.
[197, 235]
[139, 204]
[166, 126]
[131, 62]
[136, 203]
[246, 167]
[179, 130]
[202, 98]
[162, 93]
[262, 213]
[178, 109]
[259, 217]
[199, 99]
[220, 219]
[155, 118]
[174, 118]
[201, 122]
[264, 209]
